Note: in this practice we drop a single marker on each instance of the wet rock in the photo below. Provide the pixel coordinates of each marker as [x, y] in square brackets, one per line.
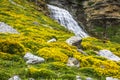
[109, 55]
[74, 40]
[73, 62]
[32, 59]
[52, 40]
[16, 77]
[4, 28]
[111, 78]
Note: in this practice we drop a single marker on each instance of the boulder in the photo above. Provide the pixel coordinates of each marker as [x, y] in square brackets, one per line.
[4, 28]
[16, 77]
[74, 40]
[109, 55]
[32, 59]
[52, 40]
[73, 62]
[111, 78]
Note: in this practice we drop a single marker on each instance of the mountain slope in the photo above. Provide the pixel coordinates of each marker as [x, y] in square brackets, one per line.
[35, 29]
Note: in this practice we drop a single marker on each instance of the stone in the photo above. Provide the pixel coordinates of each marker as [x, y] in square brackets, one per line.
[73, 62]
[88, 78]
[16, 77]
[32, 59]
[109, 55]
[52, 40]
[78, 78]
[111, 78]
[4, 28]
[74, 40]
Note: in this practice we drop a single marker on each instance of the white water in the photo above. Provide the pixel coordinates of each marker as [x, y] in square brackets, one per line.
[66, 19]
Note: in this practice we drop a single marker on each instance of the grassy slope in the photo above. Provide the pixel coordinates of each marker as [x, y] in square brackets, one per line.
[35, 30]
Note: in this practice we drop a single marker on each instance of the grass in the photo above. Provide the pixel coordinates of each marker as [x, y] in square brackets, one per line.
[35, 29]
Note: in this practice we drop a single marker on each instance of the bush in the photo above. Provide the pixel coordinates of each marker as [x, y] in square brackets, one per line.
[52, 54]
[12, 47]
[57, 66]
[41, 73]
[68, 76]
[4, 75]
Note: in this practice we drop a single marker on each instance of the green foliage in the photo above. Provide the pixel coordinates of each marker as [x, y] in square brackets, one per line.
[4, 75]
[68, 76]
[41, 73]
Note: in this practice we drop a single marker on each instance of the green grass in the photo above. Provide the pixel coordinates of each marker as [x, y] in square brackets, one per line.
[35, 29]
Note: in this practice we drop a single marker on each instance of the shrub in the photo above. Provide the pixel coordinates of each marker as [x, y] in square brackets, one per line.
[68, 76]
[7, 56]
[57, 65]
[41, 73]
[53, 54]
[89, 71]
[12, 47]
[4, 75]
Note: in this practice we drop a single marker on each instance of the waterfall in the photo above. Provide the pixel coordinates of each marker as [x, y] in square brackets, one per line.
[66, 19]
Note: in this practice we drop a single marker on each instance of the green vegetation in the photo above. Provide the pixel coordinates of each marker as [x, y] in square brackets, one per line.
[35, 30]
[112, 32]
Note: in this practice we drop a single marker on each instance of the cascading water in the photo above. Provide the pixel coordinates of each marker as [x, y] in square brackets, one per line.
[66, 19]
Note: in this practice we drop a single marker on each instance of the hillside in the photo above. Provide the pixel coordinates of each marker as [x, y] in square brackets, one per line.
[32, 31]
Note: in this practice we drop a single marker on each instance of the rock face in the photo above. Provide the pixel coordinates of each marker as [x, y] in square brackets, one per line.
[72, 62]
[15, 78]
[97, 9]
[4, 28]
[32, 59]
[101, 17]
[109, 55]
